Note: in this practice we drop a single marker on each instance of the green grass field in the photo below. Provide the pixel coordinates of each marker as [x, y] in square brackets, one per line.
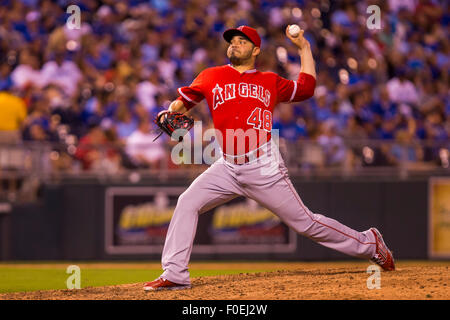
[52, 276]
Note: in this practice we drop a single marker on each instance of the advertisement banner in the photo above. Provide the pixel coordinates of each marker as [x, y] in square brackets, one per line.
[439, 218]
[137, 219]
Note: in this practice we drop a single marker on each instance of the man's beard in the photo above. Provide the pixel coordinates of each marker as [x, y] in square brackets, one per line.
[235, 61]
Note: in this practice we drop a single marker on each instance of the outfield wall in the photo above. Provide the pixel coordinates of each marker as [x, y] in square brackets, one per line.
[70, 222]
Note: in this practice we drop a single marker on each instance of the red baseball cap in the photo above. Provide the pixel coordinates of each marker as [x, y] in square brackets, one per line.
[245, 31]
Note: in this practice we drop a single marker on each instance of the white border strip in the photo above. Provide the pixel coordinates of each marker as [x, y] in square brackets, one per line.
[293, 92]
[186, 97]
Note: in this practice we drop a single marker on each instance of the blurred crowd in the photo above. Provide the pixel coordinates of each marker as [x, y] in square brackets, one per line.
[102, 84]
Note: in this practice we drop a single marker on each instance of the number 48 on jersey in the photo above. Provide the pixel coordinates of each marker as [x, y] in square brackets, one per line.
[260, 119]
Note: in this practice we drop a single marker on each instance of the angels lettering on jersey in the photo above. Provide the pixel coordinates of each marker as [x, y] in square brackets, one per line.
[244, 101]
[244, 90]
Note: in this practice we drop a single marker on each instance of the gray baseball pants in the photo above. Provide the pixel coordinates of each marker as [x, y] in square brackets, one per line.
[266, 181]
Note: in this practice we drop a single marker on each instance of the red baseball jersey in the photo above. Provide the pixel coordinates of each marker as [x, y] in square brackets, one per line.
[242, 104]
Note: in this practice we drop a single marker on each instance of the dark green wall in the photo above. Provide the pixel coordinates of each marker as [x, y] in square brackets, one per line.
[68, 221]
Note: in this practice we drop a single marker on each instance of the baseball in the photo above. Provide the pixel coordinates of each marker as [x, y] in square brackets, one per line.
[294, 30]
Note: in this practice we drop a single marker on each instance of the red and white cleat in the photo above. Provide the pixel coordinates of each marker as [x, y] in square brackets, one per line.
[383, 256]
[164, 284]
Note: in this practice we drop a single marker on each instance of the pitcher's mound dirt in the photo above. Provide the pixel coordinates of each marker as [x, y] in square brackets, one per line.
[309, 281]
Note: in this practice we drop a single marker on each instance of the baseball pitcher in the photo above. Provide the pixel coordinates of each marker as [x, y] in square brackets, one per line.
[242, 99]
